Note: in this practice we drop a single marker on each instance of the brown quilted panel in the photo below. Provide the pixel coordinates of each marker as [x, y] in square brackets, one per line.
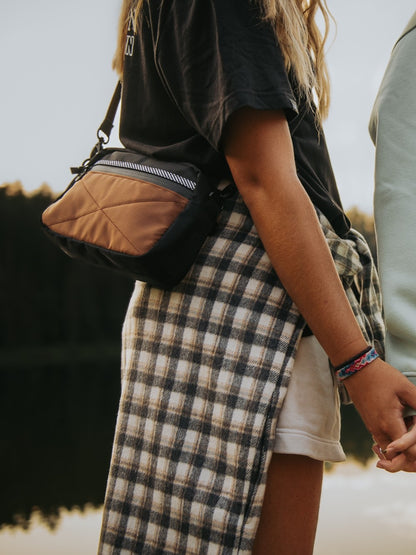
[115, 212]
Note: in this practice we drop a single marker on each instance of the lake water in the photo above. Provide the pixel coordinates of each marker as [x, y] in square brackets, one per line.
[363, 512]
[56, 429]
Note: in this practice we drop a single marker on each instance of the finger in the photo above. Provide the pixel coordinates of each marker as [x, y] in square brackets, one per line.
[378, 451]
[405, 442]
[391, 430]
[395, 465]
[383, 454]
[399, 463]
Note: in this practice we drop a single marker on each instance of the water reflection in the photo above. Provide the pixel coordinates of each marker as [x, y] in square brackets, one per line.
[57, 425]
[77, 533]
[364, 511]
[367, 512]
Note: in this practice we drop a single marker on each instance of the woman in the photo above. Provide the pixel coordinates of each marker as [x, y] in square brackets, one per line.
[205, 458]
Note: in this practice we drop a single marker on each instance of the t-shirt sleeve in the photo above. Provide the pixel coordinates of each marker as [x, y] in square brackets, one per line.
[215, 56]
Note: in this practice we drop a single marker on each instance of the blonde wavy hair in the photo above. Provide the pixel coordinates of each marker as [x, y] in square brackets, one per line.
[299, 36]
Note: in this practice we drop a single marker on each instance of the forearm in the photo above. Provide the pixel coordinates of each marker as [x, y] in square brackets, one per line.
[290, 231]
[259, 151]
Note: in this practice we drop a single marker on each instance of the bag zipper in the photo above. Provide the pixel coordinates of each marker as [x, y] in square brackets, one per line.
[159, 172]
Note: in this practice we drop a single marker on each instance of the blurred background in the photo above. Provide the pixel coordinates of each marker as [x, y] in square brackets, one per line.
[60, 322]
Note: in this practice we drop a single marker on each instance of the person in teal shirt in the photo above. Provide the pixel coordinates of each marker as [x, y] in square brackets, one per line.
[393, 130]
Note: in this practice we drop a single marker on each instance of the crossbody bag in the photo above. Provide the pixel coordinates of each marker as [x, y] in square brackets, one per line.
[144, 217]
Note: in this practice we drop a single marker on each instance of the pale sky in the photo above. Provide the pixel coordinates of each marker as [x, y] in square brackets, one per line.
[55, 62]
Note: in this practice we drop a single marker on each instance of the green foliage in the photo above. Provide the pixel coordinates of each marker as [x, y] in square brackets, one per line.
[355, 438]
[364, 223]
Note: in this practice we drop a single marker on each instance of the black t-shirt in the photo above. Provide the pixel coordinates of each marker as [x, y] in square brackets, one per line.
[190, 65]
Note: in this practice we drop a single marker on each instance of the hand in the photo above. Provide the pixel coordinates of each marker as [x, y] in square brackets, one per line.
[400, 454]
[380, 393]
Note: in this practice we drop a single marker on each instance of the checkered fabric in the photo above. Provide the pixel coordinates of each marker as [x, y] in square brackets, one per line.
[204, 374]
[355, 266]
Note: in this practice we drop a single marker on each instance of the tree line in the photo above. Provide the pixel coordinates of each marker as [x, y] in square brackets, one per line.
[46, 298]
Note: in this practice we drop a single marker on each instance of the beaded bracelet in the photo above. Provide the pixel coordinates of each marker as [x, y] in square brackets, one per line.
[355, 364]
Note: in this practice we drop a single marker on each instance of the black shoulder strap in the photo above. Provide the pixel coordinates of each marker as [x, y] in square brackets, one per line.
[103, 132]
[107, 124]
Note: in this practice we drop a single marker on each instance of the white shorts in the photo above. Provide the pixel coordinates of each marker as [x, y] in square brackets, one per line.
[310, 422]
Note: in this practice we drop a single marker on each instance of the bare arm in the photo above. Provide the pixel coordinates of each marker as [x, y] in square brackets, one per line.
[259, 151]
